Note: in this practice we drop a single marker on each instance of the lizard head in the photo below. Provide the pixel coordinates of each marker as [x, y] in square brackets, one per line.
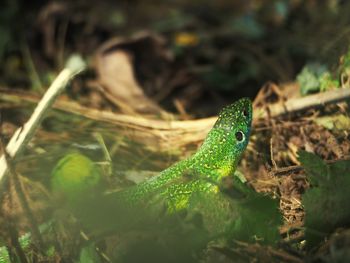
[227, 140]
[235, 122]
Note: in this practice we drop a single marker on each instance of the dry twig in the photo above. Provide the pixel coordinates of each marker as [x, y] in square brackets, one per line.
[23, 135]
[171, 134]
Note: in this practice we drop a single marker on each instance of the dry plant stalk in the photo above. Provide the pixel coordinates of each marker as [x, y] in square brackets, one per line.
[166, 135]
[24, 134]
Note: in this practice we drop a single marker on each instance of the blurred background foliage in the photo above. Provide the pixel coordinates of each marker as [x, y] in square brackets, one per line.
[224, 49]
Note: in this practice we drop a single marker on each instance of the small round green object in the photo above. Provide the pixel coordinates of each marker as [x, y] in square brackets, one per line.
[75, 177]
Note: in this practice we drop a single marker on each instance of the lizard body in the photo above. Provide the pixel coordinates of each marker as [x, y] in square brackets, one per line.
[215, 159]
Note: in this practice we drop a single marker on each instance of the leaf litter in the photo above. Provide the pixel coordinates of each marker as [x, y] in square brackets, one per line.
[273, 163]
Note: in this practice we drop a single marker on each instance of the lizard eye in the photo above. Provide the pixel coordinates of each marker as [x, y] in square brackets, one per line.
[239, 136]
[245, 113]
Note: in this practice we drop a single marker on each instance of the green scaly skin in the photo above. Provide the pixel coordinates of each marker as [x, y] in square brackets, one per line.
[216, 158]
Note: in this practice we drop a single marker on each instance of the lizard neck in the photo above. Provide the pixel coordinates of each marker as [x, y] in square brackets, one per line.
[217, 157]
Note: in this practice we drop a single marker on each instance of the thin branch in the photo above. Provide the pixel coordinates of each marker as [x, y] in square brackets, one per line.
[171, 134]
[24, 134]
[304, 103]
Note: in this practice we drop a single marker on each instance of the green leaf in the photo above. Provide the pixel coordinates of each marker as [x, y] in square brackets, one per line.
[314, 166]
[341, 168]
[251, 217]
[259, 220]
[88, 254]
[326, 203]
[308, 78]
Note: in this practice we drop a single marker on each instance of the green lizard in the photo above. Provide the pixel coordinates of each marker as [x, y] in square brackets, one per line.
[215, 159]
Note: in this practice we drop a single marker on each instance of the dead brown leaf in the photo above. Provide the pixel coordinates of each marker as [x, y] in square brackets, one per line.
[115, 66]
